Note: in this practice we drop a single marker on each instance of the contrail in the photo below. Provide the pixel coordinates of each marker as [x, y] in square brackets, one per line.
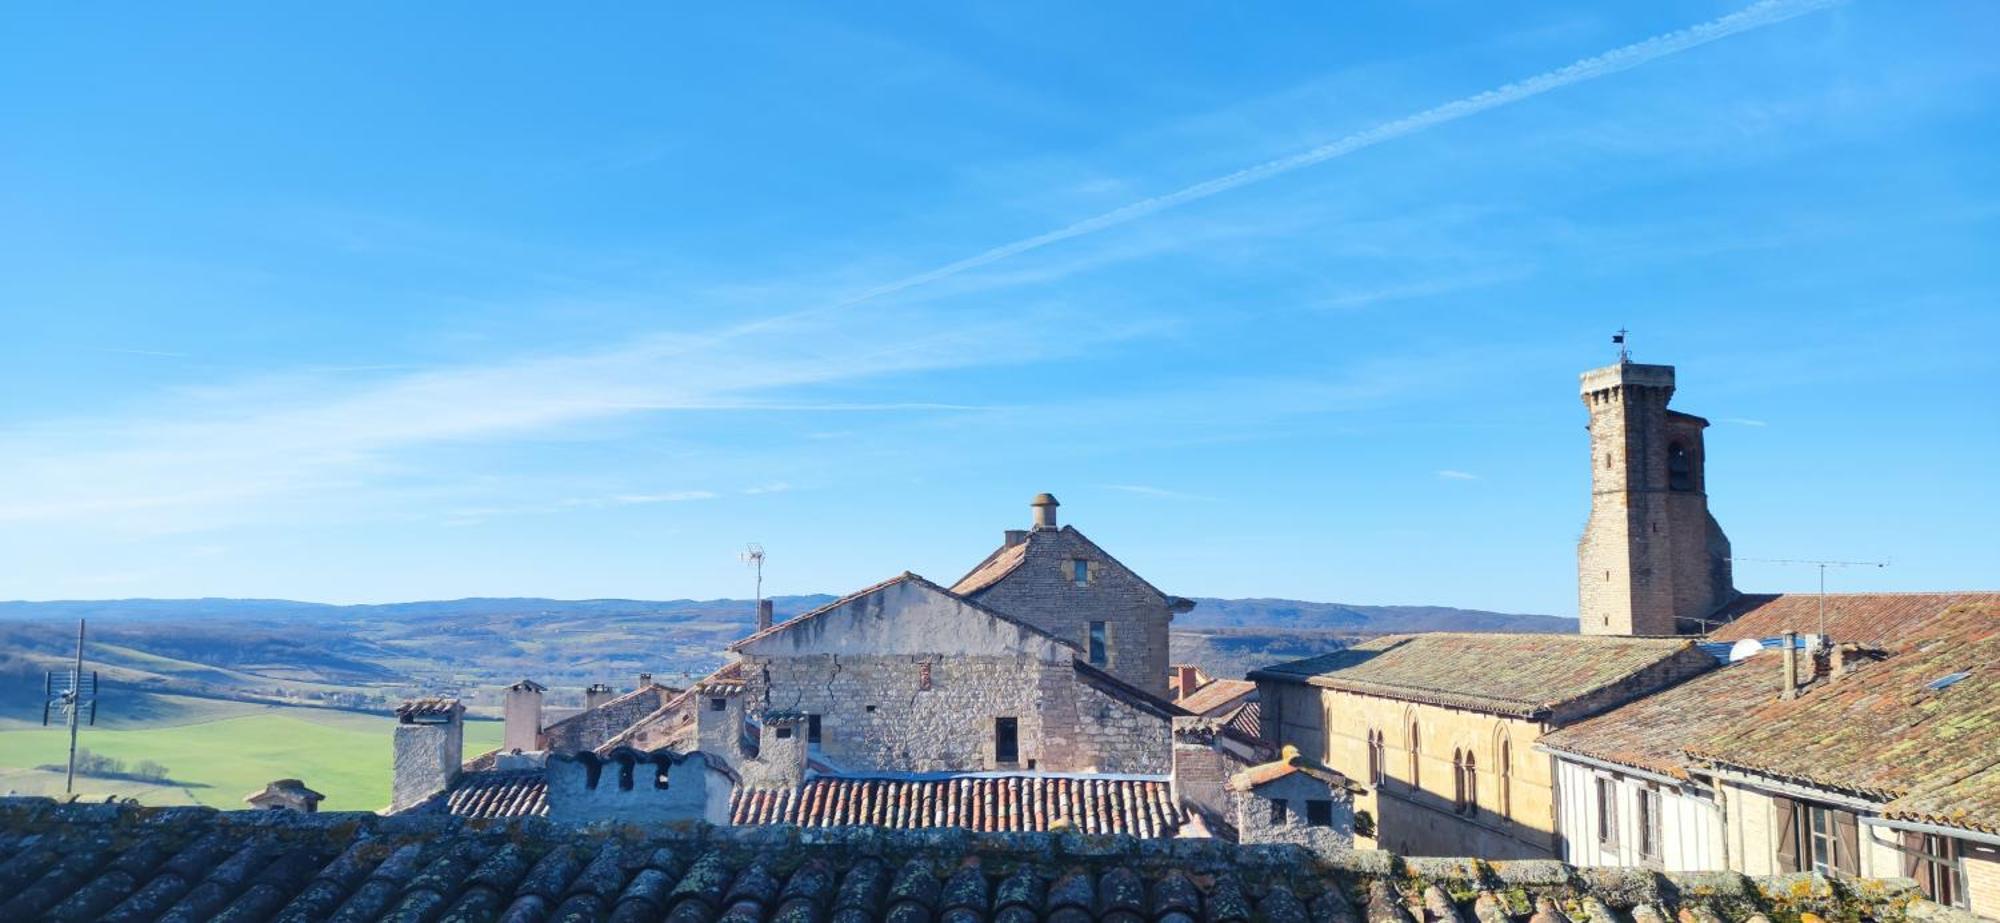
[1754, 16]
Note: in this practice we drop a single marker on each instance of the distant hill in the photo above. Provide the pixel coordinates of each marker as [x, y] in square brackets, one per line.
[369, 655]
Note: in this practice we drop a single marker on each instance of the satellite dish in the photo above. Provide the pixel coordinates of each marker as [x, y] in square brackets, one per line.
[1744, 649]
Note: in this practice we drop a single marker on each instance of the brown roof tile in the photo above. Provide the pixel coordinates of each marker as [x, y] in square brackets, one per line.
[1651, 733]
[1218, 695]
[999, 564]
[1511, 674]
[114, 862]
[1288, 762]
[1884, 731]
[1877, 619]
[493, 793]
[1138, 806]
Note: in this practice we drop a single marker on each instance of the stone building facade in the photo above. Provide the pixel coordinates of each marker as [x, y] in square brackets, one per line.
[1651, 559]
[908, 676]
[1056, 579]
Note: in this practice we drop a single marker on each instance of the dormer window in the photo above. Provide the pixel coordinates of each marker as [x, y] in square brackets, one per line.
[1079, 571]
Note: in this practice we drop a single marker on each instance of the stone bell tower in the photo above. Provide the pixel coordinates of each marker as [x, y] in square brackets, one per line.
[1652, 561]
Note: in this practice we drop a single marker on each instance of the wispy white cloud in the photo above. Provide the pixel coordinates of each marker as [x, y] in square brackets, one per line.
[775, 487]
[1163, 493]
[1453, 474]
[1744, 421]
[677, 496]
[1755, 16]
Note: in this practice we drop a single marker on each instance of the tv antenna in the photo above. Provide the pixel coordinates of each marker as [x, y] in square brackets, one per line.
[753, 555]
[76, 698]
[1822, 565]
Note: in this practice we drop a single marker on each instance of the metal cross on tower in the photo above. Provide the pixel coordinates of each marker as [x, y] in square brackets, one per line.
[78, 696]
[1618, 339]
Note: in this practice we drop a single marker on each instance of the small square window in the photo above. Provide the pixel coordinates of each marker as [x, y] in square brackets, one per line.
[1278, 812]
[784, 733]
[718, 704]
[1319, 813]
[871, 709]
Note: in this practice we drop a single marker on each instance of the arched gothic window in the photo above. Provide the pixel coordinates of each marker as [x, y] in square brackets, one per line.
[1458, 781]
[1470, 782]
[1416, 756]
[1506, 779]
[1375, 754]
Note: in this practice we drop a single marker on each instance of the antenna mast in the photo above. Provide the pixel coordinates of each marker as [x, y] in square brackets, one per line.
[77, 697]
[1822, 565]
[753, 555]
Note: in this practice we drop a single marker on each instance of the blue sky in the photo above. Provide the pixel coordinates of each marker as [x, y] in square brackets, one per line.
[385, 302]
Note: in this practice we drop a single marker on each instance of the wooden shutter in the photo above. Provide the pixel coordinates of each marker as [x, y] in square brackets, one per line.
[1787, 812]
[1847, 842]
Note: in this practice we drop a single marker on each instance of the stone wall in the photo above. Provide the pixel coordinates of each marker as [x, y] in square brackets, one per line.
[1650, 553]
[1201, 769]
[1256, 822]
[427, 760]
[589, 730]
[1043, 592]
[628, 787]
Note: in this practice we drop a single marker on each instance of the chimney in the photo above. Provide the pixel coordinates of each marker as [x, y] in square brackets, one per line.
[1013, 537]
[1200, 769]
[718, 721]
[781, 752]
[429, 749]
[1188, 681]
[1045, 511]
[523, 711]
[598, 694]
[763, 614]
[1790, 680]
[645, 679]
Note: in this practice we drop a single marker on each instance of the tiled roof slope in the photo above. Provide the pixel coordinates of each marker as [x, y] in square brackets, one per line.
[997, 565]
[1126, 692]
[904, 577]
[1217, 694]
[1652, 732]
[1877, 619]
[989, 803]
[119, 864]
[1247, 722]
[490, 793]
[1523, 675]
[1289, 761]
[1883, 732]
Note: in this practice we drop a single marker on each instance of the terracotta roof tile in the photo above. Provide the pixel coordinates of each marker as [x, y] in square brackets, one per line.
[492, 793]
[1289, 761]
[117, 863]
[1885, 731]
[1138, 806]
[1217, 695]
[430, 707]
[1651, 733]
[997, 565]
[1247, 722]
[1510, 674]
[1877, 619]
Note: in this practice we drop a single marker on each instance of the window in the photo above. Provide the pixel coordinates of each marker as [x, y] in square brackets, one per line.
[1417, 748]
[1006, 740]
[1079, 571]
[1607, 812]
[1471, 774]
[871, 709]
[1507, 779]
[1375, 753]
[812, 730]
[1680, 468]
[1319, 813]
[784, 733]
[1934, 862]
[718, 704]
[1816, 838]
[1458, 781]
[1278, 815]
[1649, 823]
[1098, 653]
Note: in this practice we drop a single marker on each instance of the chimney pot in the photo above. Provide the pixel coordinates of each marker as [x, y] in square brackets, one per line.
[1045, 511]
[645, 679]
[763, 614]
[1015, 537]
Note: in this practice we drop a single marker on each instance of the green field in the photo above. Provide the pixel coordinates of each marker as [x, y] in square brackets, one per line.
[228, 751]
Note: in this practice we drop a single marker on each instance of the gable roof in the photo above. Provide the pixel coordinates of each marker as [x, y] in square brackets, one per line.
[906, 577]
[87, 862]
[1126, 692]
[1519, 675]
[990, 802]
[1651, 733]
[1885, 731]
[1878, 619]
[1008, 558]
[1217, 695]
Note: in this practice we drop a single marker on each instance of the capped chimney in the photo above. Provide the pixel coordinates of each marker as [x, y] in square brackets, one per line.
[598, 694]
[1045, 511]
[523, 712]
[1790, 680]
[1013, 537]
[763, 614]
[645, 680]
